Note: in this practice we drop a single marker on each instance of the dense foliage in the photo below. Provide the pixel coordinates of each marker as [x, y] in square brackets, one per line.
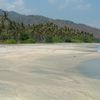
[12, 32]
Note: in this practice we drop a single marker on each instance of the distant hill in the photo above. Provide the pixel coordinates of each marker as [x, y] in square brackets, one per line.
[36, 19]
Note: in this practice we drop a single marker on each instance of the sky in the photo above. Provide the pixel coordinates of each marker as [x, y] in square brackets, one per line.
[79, 11]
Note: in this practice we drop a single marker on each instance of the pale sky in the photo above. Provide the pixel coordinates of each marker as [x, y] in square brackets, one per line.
[80, 11]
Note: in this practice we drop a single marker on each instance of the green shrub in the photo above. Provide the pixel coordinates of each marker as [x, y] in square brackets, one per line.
[48, 39]
[29, 41]
[56, 39]
[11, 41]
[24, 36]
[77, 41]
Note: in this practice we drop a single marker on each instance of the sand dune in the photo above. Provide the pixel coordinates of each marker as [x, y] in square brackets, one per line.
[46, 72]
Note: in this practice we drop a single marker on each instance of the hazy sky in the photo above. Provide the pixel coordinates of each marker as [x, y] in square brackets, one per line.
[80, 11]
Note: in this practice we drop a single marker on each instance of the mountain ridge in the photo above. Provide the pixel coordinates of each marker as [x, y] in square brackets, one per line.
[38, 19]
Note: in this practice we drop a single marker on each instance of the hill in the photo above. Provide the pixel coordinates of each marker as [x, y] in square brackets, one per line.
[36, 19]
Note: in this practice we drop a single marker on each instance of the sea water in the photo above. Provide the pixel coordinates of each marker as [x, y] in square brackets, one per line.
[91, 68]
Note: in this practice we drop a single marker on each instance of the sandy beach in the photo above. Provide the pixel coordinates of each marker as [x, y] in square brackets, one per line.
[47, 72]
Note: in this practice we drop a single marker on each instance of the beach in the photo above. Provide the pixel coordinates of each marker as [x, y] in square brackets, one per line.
[47, 72]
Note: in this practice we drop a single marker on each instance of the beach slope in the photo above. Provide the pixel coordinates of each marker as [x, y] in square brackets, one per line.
[46, 72]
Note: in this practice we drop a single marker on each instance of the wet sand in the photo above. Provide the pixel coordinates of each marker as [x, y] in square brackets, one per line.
[46, 72]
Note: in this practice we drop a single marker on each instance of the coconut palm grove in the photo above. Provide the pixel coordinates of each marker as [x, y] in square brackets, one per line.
[13, 32]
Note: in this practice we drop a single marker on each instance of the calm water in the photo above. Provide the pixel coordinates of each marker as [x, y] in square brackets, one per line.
[91, 68]
[98, 48]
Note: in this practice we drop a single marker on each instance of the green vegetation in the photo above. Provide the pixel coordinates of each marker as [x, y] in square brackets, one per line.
[12, 32]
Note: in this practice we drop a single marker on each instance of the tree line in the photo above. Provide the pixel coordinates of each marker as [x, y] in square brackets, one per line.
[13, 32]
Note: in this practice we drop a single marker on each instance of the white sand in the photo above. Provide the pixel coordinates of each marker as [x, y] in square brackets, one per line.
[46, 72]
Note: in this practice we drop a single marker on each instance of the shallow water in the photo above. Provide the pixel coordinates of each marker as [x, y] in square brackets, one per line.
[91, 68]
[98, 48]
